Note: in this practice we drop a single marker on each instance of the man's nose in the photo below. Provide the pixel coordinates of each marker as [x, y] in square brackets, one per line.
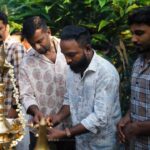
[37, 46]
[69, 60]
[135, 39]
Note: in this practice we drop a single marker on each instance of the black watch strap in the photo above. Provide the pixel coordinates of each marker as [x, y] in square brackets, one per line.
[14, 105]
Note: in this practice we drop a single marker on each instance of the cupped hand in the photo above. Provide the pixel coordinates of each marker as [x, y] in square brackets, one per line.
[55, 134]
[120, 128]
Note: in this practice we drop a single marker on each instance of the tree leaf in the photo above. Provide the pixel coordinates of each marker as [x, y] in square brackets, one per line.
[130, 8]
[102, 2]
[66, 1]
[102, 24]
[100, 37]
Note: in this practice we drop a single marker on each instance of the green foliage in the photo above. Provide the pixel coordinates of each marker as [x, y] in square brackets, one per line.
[105, 19]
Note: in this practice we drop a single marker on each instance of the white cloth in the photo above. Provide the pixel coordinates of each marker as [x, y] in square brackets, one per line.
[94, 102]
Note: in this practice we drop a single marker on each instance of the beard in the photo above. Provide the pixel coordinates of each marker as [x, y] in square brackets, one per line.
[44, 49]
[1, 42]
[80, 66]
[142, 49]
[1, 39]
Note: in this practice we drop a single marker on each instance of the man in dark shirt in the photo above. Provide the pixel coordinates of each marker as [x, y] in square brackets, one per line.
[135, 126]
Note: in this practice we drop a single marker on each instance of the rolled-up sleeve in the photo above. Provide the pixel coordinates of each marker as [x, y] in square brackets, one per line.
[107, 91]
[66, 99]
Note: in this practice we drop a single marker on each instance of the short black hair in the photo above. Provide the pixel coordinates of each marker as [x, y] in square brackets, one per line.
[77, 33]
[4, 18]
[31, 24]
[140, 16]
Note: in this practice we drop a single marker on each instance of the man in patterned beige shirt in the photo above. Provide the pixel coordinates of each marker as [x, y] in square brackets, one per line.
[42, 73]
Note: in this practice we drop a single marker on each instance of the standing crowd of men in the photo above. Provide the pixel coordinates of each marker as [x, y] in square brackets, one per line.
[76, 90]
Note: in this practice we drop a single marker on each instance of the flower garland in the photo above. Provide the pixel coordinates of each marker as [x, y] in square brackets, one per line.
[19, 107]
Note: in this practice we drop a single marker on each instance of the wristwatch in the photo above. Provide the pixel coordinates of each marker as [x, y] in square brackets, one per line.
[14, 105]
[68, 133]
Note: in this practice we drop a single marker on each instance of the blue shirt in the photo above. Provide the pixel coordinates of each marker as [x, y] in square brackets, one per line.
[94, 102]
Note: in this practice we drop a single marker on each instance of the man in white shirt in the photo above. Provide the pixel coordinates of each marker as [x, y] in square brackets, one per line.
[92, 97]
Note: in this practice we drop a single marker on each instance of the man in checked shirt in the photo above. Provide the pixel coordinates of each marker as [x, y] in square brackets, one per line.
[14, 53]
[135, 126]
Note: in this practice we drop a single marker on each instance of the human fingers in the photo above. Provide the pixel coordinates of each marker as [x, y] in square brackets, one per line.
[49, 121]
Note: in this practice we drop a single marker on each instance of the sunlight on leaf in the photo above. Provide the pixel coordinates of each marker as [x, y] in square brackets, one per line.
[102, 2]
[66, 1]
[130, 8]
[102, 24]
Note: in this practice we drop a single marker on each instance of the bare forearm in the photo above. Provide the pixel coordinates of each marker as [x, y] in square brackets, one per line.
[63, 113]
[32, 110]
[127, 115]
[144, 128]
[77, 130]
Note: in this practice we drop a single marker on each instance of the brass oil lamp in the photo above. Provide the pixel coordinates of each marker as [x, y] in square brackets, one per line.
[42, 142]
[4, 124]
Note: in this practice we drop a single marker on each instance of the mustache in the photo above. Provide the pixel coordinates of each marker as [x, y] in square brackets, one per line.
[1, 42]
[137, 45]
[141, 49]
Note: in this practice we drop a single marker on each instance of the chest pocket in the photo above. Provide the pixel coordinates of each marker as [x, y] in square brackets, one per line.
[75, 100]
[140, 96]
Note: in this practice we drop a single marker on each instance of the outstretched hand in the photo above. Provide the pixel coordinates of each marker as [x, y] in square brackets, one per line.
[55, 134]
[131, 130]
[37, 117]
[12, 113]
[120, 128]
[52, 120]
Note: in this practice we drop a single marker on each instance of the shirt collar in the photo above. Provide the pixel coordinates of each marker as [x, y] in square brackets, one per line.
[93, 65]
[7, 39]
[142, 61]
[35, 53]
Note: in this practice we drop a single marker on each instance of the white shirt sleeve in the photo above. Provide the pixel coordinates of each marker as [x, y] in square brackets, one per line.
[106, 93]
[26, 90]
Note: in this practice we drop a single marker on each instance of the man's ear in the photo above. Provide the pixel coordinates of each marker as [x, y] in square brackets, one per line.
[88, 48]
[48, 30]
[7, 28]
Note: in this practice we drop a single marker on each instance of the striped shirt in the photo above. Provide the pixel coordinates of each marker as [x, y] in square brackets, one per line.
[140, 100]
[14, 53]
